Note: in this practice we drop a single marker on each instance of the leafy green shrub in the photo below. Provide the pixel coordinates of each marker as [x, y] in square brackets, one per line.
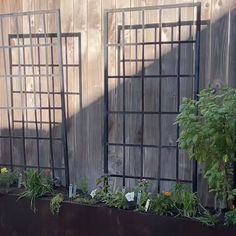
[117, 200]
[36, 185]
[7, 178]
[55, 203]
[142, 189]
[85, 200]
[208, 135]
[83, 186]
[185, 201]
[207, 219]
[162, 205]
[230, 218]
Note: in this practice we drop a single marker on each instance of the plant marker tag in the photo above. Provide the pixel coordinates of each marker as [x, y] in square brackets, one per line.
[139, 198]
[129, 196]
[93, 193]
[74, 190]
[70, 191]
[147, 205]
[19, 181]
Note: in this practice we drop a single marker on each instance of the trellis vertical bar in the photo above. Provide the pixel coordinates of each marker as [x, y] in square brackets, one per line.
[124, 101]
[106, 107]
[40, 89]
[21, 92]
[67, 76]
[24, 79]
[136, 51]
[6, 89]
[159, 93]
[11, 83]
[53, 79]
[64, 128]
[142, 87]
[196, 82]
[48, 93]
[178, 91]
[35, 98]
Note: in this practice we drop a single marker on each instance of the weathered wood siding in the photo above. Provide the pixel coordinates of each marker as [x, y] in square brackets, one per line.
[85, 121]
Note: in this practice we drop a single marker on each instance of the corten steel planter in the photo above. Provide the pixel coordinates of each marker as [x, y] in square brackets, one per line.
[16, 218]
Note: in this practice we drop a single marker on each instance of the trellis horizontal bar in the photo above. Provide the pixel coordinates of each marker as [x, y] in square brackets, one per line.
[148, 76]
[168, 6]
[39, 122]
[44, 65]
[42, 35]
[28, 45]
[163, 25]
[33, 167]
[151, 43]
[144, 112]
[51, 93]
[30, 137]
[27, 75]
[29, 13]
[150, 178]
[138, 145]
[29, 108]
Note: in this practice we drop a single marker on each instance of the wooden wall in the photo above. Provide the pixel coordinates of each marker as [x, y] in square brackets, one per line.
[218, 57]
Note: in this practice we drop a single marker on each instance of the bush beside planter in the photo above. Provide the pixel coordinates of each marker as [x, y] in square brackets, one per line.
[16, 218]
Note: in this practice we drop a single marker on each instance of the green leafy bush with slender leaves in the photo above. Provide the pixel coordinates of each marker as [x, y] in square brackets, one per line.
[163, 205]
[208, 135]
[36, 185]
[83, 185]
[55, 203]
[142, 189]
[185, 200]
[230, 218]
[117, 200]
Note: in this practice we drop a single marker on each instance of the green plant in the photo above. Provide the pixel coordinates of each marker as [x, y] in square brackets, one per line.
[55, 203]
[205, 217]
[117, 200]
[85, 200]
[83, 185]
[102, 192]
[7, 178]
[36, 185]
[162, 205]
[185, 201]
[230, 218]
[142, 189]
[209, 135]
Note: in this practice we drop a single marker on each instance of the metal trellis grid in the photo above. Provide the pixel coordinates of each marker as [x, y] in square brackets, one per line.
[126, 48]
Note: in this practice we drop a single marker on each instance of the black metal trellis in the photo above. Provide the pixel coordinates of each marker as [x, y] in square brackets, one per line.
[121, 74]
[18, 68]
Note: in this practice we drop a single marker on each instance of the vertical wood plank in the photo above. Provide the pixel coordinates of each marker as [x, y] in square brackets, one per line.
[219, 42]
[94, 109]
[80, 19]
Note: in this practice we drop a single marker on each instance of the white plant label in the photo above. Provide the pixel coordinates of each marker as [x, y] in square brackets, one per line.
[70, 191]
[93, 193]
[74, 190]
[130, 196]
[20, 181]
[147, 205]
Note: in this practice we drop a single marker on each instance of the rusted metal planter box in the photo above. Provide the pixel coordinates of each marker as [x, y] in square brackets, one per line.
[17, 219]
